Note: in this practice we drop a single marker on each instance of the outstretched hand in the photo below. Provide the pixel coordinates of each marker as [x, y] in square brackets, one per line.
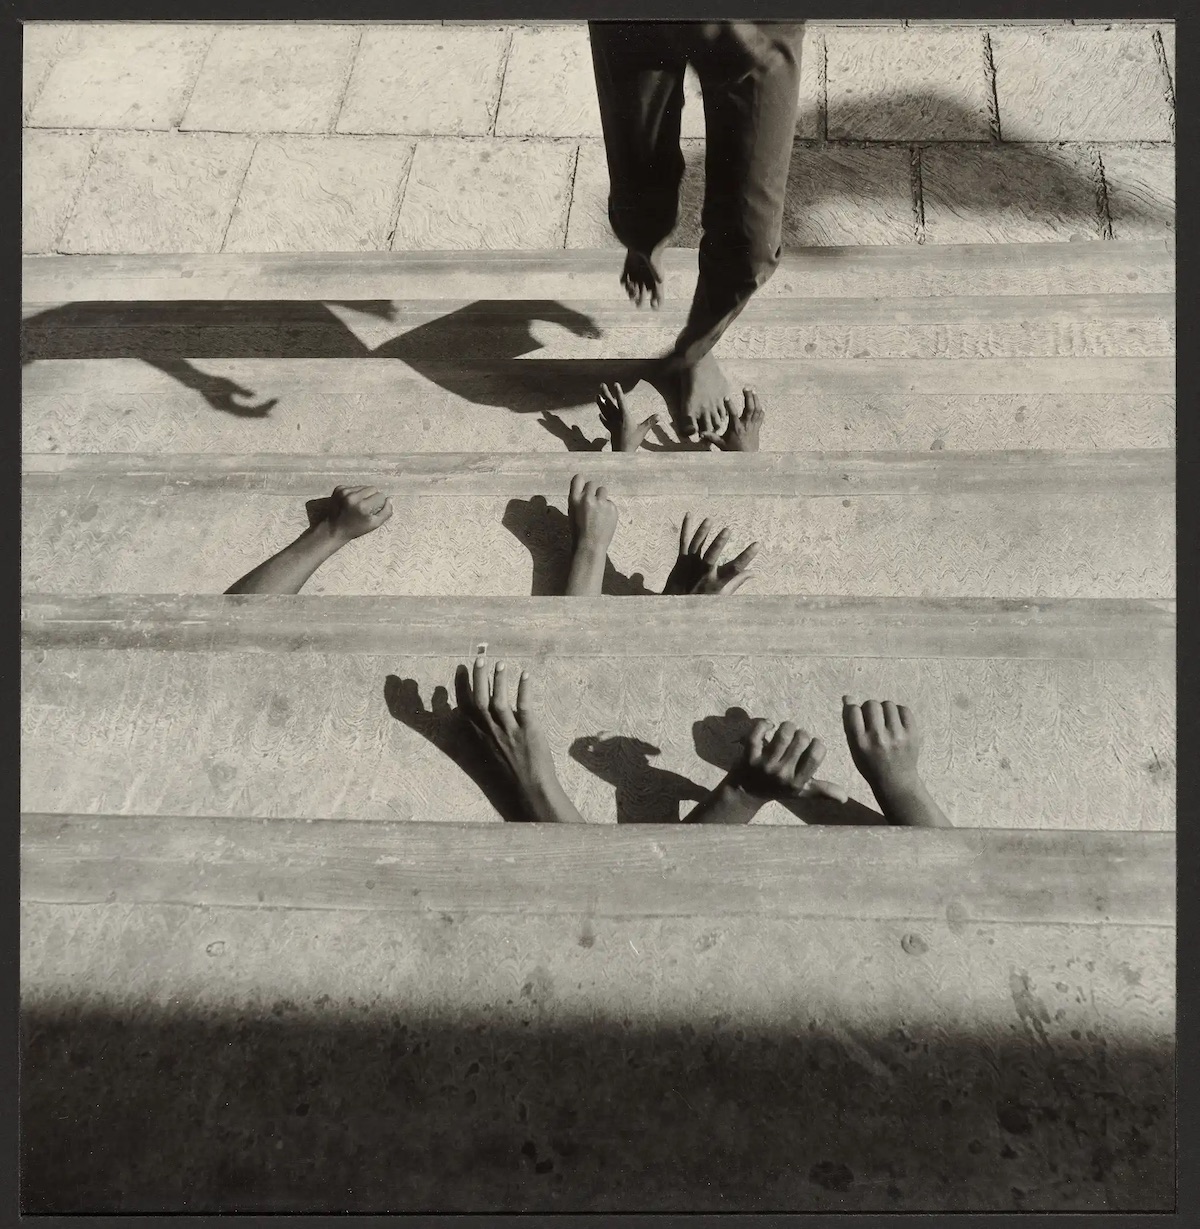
[350, 512]
[513, 738]
[698, 568]
[741, 431]
[620, 421]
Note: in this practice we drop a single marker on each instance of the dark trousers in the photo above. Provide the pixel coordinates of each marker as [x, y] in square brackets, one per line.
[750, 75]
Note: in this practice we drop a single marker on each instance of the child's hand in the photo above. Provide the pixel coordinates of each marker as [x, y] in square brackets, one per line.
[698, 570]
[884, 743]
[740, 433]
[514, 740]
[350, 511]
[593, 515]
[783, 765]
[620, 421]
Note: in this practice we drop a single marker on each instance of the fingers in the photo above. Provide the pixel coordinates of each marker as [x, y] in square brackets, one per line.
[479, 684]
[524, 697]
[462, 690]
[777, 748]
[385, 513]
[750, 403]
[756, 738]
[810, 760]
[698, 538]
[790, 758]
[577, 484]
[891, 718]
[601, 492]
[852, 720]
[908, 719]
[619, 396]
[873, 718]
[685, 533]
[500, 708]
[741, 562]
[718, 544]
[827, 789]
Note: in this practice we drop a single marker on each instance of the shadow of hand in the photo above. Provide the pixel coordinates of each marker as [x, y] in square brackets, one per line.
[218, 391]
[718, 741]
[645, 794]
[545, 532]
[448, 729]
[571, 434]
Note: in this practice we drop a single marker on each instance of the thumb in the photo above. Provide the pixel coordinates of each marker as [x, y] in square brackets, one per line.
[826, 789]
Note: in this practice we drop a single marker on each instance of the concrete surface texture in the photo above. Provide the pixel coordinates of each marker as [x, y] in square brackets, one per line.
[335, 137]
[263, 260]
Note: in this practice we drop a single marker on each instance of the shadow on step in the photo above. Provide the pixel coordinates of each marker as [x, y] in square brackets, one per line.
[471, 351]
[645, 794]
[545, 532]
[372, 1107]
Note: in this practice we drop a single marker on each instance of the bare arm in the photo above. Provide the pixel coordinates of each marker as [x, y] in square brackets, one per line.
[347, 514]
[593, 519]
[884, 742]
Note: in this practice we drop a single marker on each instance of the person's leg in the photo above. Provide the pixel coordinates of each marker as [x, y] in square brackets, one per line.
[750, 77]
[639, 85]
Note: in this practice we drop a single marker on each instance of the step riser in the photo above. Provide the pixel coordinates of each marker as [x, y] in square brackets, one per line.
[874, 627]
[422, 418]
[1065, 335]
[109, 538]
[1039, 744]
[1027, 269]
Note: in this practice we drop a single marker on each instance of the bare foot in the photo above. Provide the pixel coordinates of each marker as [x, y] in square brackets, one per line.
[701, 406]
[643, 276]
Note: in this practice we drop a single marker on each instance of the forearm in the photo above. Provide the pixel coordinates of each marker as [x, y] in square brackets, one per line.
[586, 575]
[288, 571]
[729, 803]
[909, 805]
[546, 802]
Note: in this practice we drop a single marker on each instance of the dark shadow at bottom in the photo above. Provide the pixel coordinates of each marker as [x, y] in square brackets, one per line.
[306, 1109]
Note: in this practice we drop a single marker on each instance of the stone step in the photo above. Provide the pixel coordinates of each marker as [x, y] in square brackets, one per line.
[1022, 525]
[306, 405]
[1145, 266]
[498, 1003]
[435, 330]
[1056, 716]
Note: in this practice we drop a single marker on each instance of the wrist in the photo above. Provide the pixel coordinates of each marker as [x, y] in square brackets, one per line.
[735, 802]
[326, 537]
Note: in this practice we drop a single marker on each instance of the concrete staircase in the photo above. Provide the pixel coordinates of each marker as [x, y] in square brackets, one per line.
[965, 501]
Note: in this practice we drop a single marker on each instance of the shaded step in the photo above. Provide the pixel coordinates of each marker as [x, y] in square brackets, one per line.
[1032, 524]
[1003, 268]
[345, 406]
[588, 1040]
[417, 331]
[1055, 718]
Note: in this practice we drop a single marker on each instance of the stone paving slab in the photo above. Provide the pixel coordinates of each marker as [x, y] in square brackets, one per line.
[549, 86]
[975, 194]
[159, 192]
[1140, 181]
[841, 194]
[487, 194]
[907, 85]
[53, 166]
[122, 76]
[1166, 35]
[41, 43]
[277, 78]
[423, 80]
[588, 224]
[1079, 85]
[313, 194]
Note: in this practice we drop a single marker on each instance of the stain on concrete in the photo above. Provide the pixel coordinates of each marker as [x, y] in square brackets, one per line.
[1014, 1118]
[1032, 1012]
[914, 945]
[957, 917]
[587, 935]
